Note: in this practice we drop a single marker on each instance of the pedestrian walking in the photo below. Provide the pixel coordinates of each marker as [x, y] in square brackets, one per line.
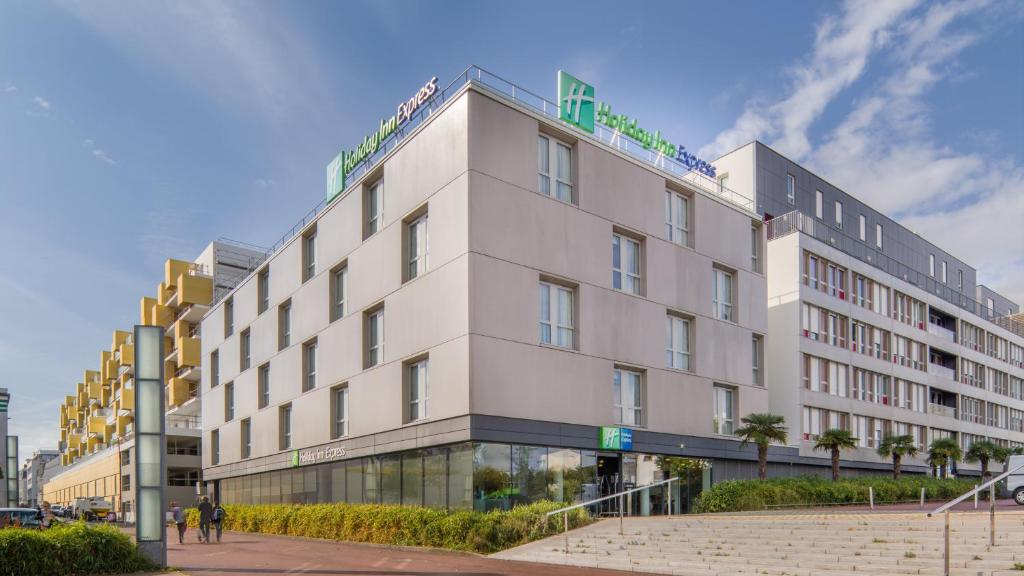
[218, 519]
[205, 517]
[45, 515]
[178, 515]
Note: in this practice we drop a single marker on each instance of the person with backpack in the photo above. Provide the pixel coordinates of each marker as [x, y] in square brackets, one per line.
[218, 519]
[178, 515]
[205, 517]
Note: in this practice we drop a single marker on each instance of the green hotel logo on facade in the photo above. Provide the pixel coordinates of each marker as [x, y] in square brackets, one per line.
[575, 101]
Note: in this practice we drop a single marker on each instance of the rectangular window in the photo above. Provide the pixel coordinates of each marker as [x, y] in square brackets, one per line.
[418, 380]
[339, 288]
[755, 356]
[722, 295]
[839, 215]
[628, 396]
[960, 279]
[556, 315]
[244, 350]
[554, 168]
[229, 402]
[284, 325]
[863, 228]
[677, 342]
[309, 256]
[878, 236]
[263, 290]
[931, 265]
[246, 438]
[214, 368]
[263, 383]
[819, 207]
[625, 264]
[285, 421]
[724, 418]
[339, 412]
[791, 189]
[309, 366]
[229, 317]
[755, 248]
[417, 247]
[677, 218]
[943, 271]
[374, 202]
[215, 447]
[374, 337]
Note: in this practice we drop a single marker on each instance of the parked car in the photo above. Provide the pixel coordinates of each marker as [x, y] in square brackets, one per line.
[1015, 481]
[57, 510]
[19, 518]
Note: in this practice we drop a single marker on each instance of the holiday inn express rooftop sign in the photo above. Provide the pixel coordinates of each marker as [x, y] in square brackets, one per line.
[346, 161]
[577, 106]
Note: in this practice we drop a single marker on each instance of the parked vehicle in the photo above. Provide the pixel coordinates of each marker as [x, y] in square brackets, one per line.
[1015, 481]
[19, 518]
[92, 508]
[57, 510]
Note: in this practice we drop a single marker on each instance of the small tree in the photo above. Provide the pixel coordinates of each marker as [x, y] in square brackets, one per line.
[762, 429]
[1003, 453]
[982, 451]
[941, 453]
[896, 447]
[835, 440]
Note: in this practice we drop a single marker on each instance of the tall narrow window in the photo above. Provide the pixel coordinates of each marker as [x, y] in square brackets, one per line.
[215, 447]
[756, 354]
[819, 205]
[554, 168]
[943, 271]
[229, 317]
[309, 366]
[339, 290]
[214, 368]
[229, 402]
[839, 215]
[339, 412]
[755, 248]
[791, 189]
[724, 419]
[285, 420]
[960, 279]
[863, 228]
[374, 337]
[263, 290]
[418, 245]
[677, 218]
[677, 342]
[244, 350]
[625, 264]
[556, 315]
[263, 384]
[722, 296]
[309, 256]
[418, 390]
[628, 396]
[878, 236]
[284, 325]
[246, 438]
[374, 207]
[931, 265]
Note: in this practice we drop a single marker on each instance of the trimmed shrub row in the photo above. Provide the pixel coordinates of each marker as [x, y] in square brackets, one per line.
[400, 525]
[68, 550]
[739, 495]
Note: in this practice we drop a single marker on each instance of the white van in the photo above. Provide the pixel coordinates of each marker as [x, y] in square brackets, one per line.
[1015, 481]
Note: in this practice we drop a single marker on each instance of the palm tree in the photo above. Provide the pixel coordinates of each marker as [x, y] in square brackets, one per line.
[896, 447]
[982, 451]
[941, 452]
[762, 429]
[835, 440]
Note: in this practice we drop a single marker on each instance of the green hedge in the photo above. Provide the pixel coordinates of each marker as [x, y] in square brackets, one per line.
[68, 549]
[400, 525]
[737, 495]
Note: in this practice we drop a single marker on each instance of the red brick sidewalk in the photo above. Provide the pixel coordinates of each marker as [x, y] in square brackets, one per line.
[243, 553]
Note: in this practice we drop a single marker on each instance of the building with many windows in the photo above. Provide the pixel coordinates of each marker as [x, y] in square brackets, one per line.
[8, 456]
[873, 328]
[497, 308]
[33, 473]
[96, 422]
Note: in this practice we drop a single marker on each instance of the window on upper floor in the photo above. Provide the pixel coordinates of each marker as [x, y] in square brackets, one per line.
[284, 325]
[677, 342]
[309, 255]
[724, 418]
[229, 402]
[626, 263]
[417, 389]
[229, 317]
[339, 411]
[554, 168]
[755, 248]
[944, 266]
[791, 189]
[373, 322]
[756, 355]
[677, 218]
[215, 447]
[819, 205]
[628, 396]
[416, 247]
[309, 365]
[214, 368]
[878, 236]
[373, 202]
[339, 291]
[284, 418]
[863, 228]
[263, 385]
[960, 279]
[244, 350]
[246, 438]
[263, 290]
[557, 315]
[722, 295]
[839, 215]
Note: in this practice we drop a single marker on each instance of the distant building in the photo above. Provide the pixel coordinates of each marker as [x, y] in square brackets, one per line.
[8, 456]
[33, 476]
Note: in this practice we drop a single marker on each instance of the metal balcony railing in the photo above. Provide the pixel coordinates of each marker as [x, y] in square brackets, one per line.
[942, 410]
[941, 332]
[942, 371]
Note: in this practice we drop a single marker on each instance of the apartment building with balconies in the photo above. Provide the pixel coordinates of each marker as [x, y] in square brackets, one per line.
[96, 421]
[873, 328]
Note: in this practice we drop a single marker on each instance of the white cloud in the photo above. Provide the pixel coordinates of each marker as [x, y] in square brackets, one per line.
[44, 104]
[97, 153]
[11, 88]
[263, 183]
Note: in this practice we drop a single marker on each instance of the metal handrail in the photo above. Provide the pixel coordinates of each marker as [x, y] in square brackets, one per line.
[977, 490]
[610, 496]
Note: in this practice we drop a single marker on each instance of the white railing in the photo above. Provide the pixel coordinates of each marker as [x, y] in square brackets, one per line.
[944, 333]
[942, 371]
[942, 410]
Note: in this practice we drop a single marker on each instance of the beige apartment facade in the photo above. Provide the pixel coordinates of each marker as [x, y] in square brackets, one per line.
[499, 309]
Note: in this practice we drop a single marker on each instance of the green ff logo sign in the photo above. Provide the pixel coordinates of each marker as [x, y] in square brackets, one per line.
[575, 101]
[295, 458]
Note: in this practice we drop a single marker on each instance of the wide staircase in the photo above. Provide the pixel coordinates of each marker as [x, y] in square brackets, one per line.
[801, 543]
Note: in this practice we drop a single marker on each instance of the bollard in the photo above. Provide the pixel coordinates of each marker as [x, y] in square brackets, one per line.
[992, 514]
[922, 498]
[566, 519]
[871, 497]
[622, 508]
[975, 496]
[945, 554]
[669, 490]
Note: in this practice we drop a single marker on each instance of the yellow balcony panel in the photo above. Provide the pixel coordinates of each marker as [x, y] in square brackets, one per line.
[128, 399]
[173, 269]
[121, 427]
[120, 337]
[146, 310]
[95, 443]
[194, 290]
[163, 316]
[74, 439]
[189, 352]
[94, 390]
[69, 400]
[179, 391]
[127, 354]
[164, 293]
[105, 357]
[97, 424]
[107, 396]
[91, 376]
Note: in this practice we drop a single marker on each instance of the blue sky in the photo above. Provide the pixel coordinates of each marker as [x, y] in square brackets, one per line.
[133, 132]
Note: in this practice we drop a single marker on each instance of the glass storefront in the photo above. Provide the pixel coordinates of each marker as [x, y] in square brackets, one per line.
[479, 476]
